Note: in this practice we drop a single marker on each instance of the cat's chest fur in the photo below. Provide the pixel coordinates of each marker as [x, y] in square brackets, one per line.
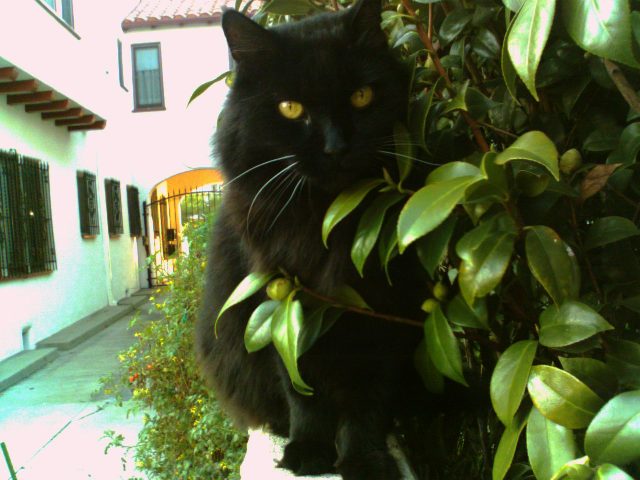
[293, 243]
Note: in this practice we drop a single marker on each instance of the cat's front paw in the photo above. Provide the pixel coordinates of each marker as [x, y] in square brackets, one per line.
[308, 458]
[376, 465]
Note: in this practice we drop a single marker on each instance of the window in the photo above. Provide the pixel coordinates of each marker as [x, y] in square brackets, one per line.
[88, 204]
[133, 203]
[147, 77]
[114, 206]
[26, 232]
[62, 8]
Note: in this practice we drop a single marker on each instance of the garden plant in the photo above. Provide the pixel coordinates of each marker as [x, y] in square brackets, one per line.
[527, 118]
[184, 435]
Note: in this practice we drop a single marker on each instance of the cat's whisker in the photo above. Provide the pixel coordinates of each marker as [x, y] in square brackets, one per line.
[293, 193]
[257, 166]
[284, 170]
[408, 157]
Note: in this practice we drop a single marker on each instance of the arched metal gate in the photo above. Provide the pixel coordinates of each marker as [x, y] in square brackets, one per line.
[165, 218]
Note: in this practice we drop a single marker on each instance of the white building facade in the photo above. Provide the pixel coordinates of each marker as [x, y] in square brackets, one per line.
[95, 122]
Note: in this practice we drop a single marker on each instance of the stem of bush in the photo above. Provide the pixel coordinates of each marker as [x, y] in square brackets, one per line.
[623, 85]
[426, 40]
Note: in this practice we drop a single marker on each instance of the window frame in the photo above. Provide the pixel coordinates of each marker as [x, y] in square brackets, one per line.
[113, 197]
[27, 243]
[136, 106]
[57, 13]
[133, 208]
[88, 205]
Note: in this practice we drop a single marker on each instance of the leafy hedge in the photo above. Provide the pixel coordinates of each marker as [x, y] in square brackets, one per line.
[185, 434]
[527, 225]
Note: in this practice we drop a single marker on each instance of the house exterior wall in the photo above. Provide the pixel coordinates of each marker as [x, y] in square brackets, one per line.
[91, 273]
[177, 139]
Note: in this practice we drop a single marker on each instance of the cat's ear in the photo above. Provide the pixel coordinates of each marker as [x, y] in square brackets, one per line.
[246, 39]
[365, 24]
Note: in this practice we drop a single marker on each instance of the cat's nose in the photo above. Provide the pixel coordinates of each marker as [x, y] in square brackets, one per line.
[334, 141]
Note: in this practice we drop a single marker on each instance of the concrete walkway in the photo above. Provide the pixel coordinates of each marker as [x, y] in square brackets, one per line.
[52, 421]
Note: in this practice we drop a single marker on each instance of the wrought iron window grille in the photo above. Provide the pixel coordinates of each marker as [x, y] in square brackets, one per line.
[27, 245]
[133, 204]
[114, 206]
[88, 204]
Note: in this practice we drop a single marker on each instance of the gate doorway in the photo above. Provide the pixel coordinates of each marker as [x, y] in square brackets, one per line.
[189, 197]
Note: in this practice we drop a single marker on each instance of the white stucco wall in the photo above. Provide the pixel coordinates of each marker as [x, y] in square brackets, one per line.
[90, 273]
[136, 148]
[177, 139]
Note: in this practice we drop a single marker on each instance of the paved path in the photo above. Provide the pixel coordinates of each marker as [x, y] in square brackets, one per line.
[53, 421]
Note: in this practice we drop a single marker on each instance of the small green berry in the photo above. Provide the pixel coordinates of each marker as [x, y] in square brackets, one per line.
[279, 288]
[440, 291]
[429, 305]
[570, 161]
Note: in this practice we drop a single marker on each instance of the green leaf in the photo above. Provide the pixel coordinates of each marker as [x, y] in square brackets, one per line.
[561, 397]
[404, 151]
[247, 287]
[601, 27]
[205, 86]
[611, 472]
[452, 171]
[509, 74]
[496, 174]
[257, 335]
[509, 379]
[527, 38]
[317, 324]
[485, 252]
[603, 139]
[607, 230]
[461, 314]
[345, 203]
[624, 357]
[286, 330]
[632, 303]
[388, 243]
[597, 375]
[549, 445]
[570, 323]
[628, 145]
[433, 247]
[431, 378]
[347, 296]
[419, 113]
[552, 263]
[429, 207]
[453, 25]
[369, 228]
[459, 101]
[513, 5]
[507, 446]
[442, 346]
[289, 7]
[614, 435]
[536, 147]
[577, 469]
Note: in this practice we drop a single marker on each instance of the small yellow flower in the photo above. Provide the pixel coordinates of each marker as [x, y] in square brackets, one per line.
[139, 464]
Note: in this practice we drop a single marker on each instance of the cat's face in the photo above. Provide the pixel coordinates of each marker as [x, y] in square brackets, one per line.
[325, 91]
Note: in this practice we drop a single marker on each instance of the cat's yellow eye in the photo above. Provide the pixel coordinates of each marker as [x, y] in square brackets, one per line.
[362, 97]
[290, 109]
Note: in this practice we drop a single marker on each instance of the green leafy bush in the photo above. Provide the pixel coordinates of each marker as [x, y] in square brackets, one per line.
[527, 226]
[185, 434]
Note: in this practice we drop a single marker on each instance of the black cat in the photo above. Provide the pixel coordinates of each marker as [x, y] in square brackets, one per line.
[312, 106]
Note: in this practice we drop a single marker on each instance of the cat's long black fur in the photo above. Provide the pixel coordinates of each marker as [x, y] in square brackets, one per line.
[361, 370]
